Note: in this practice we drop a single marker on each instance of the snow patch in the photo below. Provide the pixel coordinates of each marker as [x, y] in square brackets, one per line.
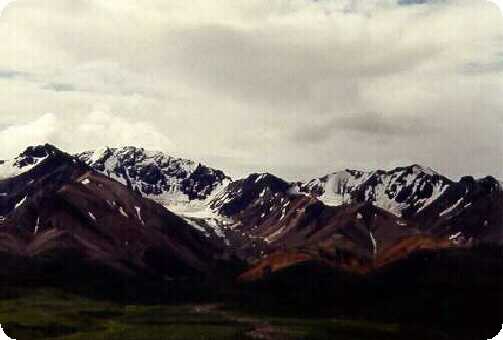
[338, 186]
[274, 236]
[452, 208]
[454, 236]
[138, 213]
[215, 224]
[283, 210]
[123, 213]
[196, 226]
[438, 190]
[91, 216]
[374, 243]
[259, 178]
[401, 223]
[20, 203]
[37, 225]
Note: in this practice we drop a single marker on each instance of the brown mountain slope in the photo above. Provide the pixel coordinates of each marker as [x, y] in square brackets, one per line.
[63, 205]
[339, 258]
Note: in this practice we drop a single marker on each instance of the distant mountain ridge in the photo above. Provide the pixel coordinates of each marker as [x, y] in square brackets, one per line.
[403, 191]
[137, 223]
[358, 217]
[414, 194]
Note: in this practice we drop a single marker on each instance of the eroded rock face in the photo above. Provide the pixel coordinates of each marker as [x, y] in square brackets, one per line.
[155, 173]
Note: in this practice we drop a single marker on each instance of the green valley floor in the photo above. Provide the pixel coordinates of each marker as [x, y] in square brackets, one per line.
[53, 314]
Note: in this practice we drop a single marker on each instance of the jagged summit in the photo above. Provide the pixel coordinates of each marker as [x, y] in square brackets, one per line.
[363, 212]
[28, 159]
[61, 205]
[416, 168]
[40, 150]
[176, 182]
[154, 173]
[144, 216]
[402, 190]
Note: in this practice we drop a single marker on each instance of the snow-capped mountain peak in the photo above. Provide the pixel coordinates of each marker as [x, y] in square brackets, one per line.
[336, 188]
[154, 173]
[401, 191]
[27, 160]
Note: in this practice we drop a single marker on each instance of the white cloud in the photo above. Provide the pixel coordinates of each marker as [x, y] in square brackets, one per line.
[81, 133]
[240, 82]
[498, 3]
[16, 137]
[4, 4]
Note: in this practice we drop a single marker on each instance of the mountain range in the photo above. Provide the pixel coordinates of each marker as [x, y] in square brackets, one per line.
[142, 214]
[365, 215]
[261, 213]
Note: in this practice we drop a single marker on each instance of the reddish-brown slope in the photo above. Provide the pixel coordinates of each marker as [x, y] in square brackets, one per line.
[342, 259]
[66, 206]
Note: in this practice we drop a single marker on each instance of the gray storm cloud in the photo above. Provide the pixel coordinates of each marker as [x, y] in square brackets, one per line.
[294, 87]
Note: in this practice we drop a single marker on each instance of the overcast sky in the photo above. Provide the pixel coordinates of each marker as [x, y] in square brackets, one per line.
[294, 87]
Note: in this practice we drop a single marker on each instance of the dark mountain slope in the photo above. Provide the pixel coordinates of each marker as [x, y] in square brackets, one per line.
[456, 292]
[63, 206]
